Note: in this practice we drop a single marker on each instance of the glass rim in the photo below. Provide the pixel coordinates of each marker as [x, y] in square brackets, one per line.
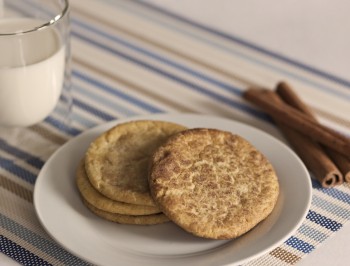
[51, 22]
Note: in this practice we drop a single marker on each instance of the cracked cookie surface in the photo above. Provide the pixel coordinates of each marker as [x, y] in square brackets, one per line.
[212, 183]
[116, 163]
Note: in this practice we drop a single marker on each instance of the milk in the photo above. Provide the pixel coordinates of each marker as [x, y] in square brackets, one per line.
[31, 79]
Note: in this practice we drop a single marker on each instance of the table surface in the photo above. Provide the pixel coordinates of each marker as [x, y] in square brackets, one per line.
[313, 32]
[197, 49]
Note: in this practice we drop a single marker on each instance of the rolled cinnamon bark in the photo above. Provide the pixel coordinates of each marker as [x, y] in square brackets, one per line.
[290, 97]
[311, 153]
[297, 120]
[342, 162]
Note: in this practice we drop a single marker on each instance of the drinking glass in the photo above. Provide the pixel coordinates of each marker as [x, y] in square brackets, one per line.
[35, 85]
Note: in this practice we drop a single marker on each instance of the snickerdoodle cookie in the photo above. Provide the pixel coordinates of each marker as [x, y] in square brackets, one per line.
[212, 183]
[128, 219]
[99, 201]
[117, 161]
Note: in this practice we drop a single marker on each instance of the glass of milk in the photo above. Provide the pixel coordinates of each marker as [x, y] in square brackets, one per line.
[34, 64]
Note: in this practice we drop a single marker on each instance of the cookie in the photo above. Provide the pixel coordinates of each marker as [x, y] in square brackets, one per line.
[103, 203]
[117, 162]
[212, 183]
[128, 219]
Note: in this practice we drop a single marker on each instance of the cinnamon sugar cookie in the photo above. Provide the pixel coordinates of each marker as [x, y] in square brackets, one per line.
[212, 183]
[128, 219]
[117, 162]
[96, 199]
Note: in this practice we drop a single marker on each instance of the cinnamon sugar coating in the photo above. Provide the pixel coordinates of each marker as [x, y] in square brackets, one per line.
[116, 163]
[212, 183]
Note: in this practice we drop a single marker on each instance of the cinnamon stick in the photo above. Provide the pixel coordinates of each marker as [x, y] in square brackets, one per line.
[290, 97]
[311, 153]
[288, 115]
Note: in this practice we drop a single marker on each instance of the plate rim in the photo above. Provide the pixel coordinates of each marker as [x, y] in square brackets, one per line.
[167, 117]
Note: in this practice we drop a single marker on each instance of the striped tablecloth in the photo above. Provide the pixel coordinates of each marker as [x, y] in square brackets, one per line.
[130, 58]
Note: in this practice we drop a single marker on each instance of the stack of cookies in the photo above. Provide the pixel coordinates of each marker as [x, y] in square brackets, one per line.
[112, 178]
[211, 183]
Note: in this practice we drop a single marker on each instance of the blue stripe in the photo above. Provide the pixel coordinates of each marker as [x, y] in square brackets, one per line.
[20, 254]
[29, 158]
[115, 92]
[94, 111]
[105, 101]
[227, 87]
[300, 244]
[61, 126]
[330, 207]
[83, 121]
[49, 247]
[200, 89]
[248, 44]
[76, 117]
[96, 83]
[54, 122]
[333, 192]
[162, 59]
[172, 77]
[87, 123]
[312, 233]
[323, 221]
[73, 131]
[316, 85]
[11, 167]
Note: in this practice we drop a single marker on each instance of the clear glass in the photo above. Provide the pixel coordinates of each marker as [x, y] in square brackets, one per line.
[35, 80]
[34, 64]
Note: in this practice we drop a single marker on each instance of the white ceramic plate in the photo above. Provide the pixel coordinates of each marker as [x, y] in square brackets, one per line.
[72, 225]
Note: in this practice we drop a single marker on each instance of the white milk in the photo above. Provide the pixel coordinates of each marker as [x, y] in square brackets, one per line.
[31, 79]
